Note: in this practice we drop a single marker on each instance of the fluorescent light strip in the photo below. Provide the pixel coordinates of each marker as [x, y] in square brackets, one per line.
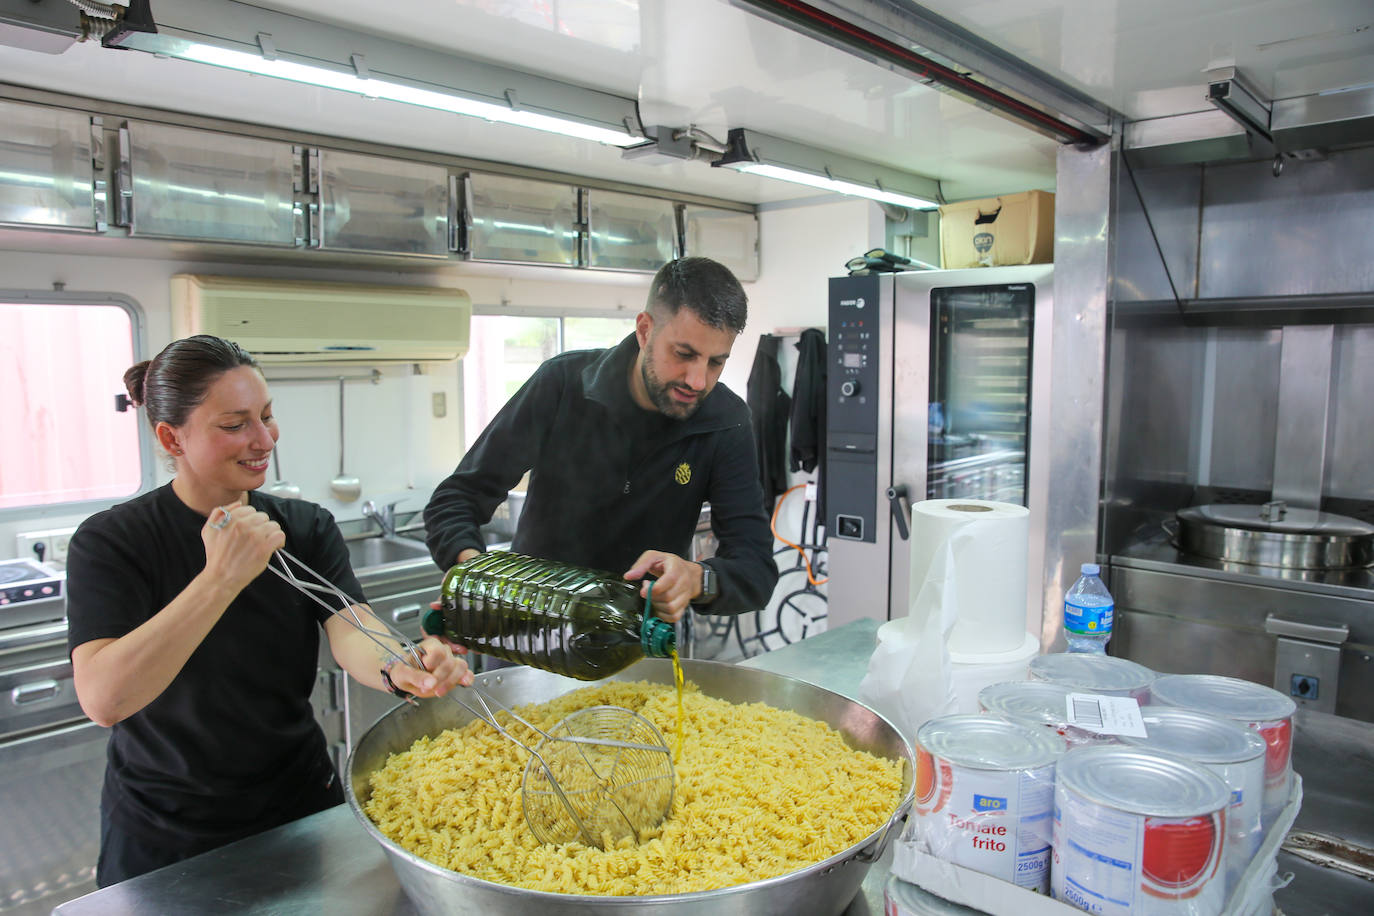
[832, 184]
[397, 92]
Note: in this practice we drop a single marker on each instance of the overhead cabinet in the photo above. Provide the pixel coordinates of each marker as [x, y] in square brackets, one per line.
[190, 184]
[48, 178]
[629, 232]
[520, 221]
[182, 183]
[727, 236]
[379, 204]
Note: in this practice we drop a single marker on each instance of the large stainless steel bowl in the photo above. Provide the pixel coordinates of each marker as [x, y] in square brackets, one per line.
[823, 888]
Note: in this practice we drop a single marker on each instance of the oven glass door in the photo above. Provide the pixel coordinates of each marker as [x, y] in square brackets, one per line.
[980, 372]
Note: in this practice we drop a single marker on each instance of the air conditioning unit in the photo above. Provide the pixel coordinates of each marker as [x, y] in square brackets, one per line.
[295, 321]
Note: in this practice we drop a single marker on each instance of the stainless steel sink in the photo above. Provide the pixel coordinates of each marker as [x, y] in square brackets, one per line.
[366, 553]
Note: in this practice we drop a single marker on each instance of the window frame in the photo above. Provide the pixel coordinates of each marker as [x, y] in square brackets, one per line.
[138, 332]
[530, 311]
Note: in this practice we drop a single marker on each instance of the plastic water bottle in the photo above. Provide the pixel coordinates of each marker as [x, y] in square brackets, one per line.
[1088, 611]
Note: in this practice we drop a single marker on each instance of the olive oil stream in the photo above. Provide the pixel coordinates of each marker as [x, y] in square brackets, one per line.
[677, 680]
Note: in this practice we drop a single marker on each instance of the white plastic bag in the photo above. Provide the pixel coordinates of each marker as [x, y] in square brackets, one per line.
[909, 676]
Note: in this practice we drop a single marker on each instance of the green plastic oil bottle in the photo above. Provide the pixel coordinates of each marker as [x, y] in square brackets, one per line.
[578, 622]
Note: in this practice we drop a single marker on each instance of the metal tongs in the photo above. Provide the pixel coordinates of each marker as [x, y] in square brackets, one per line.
[553, 814]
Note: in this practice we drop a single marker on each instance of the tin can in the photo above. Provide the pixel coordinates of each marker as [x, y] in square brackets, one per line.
[1138, 833]
[1255, 706]
[984, 795]
[1038, 703]
[1231, 751]
[902, 898]
[1086, 673]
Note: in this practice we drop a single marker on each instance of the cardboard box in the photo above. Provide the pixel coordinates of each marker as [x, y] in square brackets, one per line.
[997, 231]
[1252, 896]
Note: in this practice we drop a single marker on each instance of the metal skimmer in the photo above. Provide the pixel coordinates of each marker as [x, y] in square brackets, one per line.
[599, 776]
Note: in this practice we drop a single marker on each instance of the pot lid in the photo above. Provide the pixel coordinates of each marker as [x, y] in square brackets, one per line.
[1277, 517]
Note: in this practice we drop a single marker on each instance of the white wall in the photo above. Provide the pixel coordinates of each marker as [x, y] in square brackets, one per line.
[802, 247]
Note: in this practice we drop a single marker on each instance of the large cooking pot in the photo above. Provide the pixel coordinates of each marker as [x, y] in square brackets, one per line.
[1276, 535]
[824, 888]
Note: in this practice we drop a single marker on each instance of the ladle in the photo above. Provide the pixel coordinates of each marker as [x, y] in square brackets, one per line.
[344, 487]
[280, 487]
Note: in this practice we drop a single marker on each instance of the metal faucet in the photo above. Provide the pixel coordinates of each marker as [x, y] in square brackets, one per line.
[385, 517]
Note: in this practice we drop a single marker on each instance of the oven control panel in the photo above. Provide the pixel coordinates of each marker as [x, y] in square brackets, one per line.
[852, 409]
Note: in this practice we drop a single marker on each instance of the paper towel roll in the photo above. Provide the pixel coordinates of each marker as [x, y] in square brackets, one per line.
[986, 575]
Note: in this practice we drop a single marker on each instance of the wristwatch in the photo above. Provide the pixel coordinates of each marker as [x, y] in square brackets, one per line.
[710, 586]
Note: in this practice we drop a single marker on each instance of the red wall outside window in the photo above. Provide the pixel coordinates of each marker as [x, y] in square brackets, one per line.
[60, 369]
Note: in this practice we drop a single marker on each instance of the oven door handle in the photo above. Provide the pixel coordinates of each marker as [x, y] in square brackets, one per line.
[35, 692]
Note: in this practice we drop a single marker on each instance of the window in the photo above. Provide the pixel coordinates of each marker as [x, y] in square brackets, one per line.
[504, 351]
[61, 365]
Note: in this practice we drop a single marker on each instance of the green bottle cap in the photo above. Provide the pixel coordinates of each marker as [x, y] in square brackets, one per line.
[658, 638]
[433, 622]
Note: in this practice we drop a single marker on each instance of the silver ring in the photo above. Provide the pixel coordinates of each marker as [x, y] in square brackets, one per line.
[225, 519]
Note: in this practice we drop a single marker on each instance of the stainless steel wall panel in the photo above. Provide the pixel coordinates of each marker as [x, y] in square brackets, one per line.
[728, 236]
[1244, 409]
[1350, 455]
[195, 184]
[522, 221]
[1084, 210]
[1161, 371]
[628, 232]
[47, 178]
[1304, 232]
[374, 203]
[1171, 199]
[1304, 406]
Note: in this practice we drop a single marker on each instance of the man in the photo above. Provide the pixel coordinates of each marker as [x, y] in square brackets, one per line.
[624, 445]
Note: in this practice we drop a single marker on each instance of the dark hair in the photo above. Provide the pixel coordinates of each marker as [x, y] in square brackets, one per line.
[172, 384]
[706, 287]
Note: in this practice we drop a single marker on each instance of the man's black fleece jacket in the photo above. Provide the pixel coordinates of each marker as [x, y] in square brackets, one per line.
[610, 480]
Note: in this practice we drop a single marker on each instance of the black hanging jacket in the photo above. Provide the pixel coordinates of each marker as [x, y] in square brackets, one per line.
[808, 402]
[770, 407]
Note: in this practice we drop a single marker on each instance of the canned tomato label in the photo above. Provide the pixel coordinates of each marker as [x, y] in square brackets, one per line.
[984, 796]
[1138, 834]
[1260, 708]
[1278, 763]
[1231, 751]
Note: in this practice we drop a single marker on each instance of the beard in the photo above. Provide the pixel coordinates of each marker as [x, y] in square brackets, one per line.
[661, 392]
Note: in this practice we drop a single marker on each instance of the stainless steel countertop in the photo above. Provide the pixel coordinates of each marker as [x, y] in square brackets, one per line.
[326, 863]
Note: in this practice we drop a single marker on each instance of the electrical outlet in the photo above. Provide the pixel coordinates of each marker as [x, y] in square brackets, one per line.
[54, 544]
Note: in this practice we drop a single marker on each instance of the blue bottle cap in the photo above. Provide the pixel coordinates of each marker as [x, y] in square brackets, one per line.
[1090, 569]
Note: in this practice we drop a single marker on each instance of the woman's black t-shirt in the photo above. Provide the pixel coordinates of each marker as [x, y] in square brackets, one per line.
[231, 742]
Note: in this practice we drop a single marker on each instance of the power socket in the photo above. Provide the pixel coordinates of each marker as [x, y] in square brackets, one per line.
[54, 544]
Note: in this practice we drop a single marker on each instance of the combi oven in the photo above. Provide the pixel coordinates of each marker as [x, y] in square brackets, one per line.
[937, 387]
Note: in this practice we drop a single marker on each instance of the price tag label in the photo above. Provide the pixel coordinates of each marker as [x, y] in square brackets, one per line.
[1095, 712]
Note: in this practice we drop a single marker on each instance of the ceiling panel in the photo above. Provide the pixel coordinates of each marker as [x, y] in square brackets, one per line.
[1146, 58]
[701, 62]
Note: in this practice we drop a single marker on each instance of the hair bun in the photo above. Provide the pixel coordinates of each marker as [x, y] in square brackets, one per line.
[134, 377]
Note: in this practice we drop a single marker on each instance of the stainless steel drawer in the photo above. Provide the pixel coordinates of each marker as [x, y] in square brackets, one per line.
[35, 695]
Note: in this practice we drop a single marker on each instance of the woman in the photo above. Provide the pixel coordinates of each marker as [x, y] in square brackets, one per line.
[198, 657]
